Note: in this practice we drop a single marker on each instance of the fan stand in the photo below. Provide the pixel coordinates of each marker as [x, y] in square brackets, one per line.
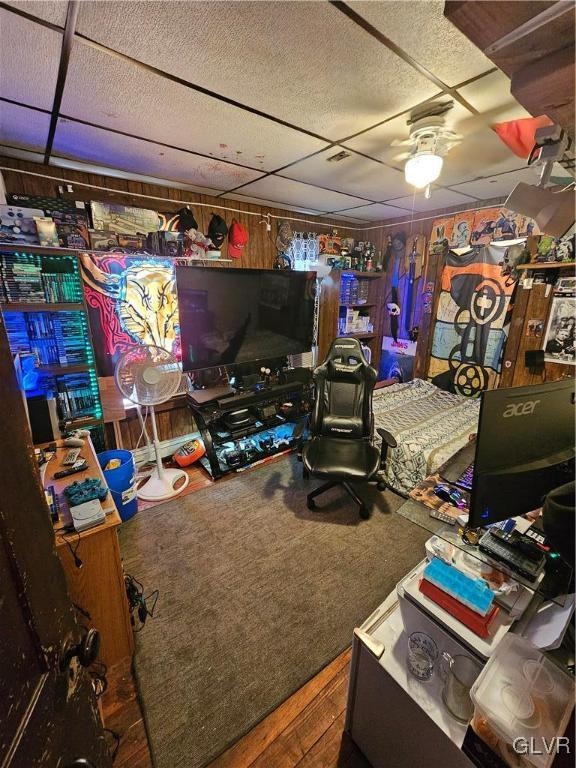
[161, 483]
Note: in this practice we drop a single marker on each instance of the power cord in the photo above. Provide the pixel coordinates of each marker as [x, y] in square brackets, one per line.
[64, 533]
[137, 602]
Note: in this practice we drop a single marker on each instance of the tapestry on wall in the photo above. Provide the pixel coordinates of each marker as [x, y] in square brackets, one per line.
[131, 300]
[471, 322]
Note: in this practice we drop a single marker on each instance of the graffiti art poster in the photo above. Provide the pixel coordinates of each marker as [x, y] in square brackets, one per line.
[131, 301]
[472, 321]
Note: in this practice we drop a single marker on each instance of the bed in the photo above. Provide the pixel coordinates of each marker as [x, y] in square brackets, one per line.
[429, 424]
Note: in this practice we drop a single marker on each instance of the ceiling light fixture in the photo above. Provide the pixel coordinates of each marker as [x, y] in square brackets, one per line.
[422, 169]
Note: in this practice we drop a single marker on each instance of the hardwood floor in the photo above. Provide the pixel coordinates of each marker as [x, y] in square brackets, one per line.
[306, 731]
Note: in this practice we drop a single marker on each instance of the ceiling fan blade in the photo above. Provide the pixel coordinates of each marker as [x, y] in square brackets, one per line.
[401, 142]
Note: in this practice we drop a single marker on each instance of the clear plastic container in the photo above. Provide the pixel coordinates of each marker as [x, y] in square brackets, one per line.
[521, 701]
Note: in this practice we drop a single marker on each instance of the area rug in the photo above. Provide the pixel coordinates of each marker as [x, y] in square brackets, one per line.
[257, 594]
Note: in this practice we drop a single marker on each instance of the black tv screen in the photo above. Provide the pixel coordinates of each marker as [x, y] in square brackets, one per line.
[230, 316]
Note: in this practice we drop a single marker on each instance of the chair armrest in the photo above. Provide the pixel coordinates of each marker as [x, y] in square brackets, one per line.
[387, 437]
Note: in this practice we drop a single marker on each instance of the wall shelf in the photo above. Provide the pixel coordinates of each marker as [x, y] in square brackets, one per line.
[12, 306]
[357, 306]
[548, 265]
[356, 273]
[62, 370]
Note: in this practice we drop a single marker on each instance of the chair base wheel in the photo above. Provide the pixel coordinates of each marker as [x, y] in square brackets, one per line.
[364, 512]
[381, 485]
[311, 504]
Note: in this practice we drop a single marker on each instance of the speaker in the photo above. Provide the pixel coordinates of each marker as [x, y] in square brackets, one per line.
[290, 375]
[534, 360]
[43, 418]
[552, 211]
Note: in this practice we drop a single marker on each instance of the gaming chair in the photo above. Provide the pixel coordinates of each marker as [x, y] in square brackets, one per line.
[342, 426]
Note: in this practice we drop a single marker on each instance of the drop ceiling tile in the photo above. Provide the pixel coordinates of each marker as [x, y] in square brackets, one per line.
[269, 203]
[441, 198]
[498, 186]
[376, 212]
[490, 92]
[480, 152]
[95, 145]
[305, 63]
[21, 127]
[29, 57]
[114, 173]
[349, 219]
[130, 99]
[287, 192]
[422, 31]
[22, 154]
[53, 11]
[355, 175]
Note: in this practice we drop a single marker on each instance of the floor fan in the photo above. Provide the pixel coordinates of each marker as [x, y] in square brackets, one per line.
[149, 375]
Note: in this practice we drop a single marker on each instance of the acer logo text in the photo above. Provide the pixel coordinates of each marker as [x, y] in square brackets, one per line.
[521, 409]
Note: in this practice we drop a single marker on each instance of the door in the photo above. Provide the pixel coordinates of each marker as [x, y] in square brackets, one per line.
[48, 712]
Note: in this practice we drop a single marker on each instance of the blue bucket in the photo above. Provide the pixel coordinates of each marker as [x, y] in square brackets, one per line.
[121, 481]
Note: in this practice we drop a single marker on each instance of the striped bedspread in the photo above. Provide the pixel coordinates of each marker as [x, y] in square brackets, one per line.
[429, 424]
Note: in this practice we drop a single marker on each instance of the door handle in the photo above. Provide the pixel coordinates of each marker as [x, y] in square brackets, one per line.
[81, 762]
[86, 651]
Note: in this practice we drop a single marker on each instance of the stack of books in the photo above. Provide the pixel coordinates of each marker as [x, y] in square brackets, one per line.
[22, 278]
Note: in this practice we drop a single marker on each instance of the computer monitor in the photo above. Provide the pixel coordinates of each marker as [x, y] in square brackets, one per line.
[524, 449]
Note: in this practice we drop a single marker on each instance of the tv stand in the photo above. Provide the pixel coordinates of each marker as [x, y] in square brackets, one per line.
[241, 429]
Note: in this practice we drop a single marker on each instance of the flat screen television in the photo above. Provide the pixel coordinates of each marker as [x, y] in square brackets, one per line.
[233, 316]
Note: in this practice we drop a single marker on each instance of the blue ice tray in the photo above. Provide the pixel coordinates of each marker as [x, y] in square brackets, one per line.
[474, 593]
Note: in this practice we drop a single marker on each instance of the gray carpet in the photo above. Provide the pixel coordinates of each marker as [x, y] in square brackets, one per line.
[257, 594]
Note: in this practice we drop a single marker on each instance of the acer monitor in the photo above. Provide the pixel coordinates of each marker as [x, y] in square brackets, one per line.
[233, 316]
[524, 449]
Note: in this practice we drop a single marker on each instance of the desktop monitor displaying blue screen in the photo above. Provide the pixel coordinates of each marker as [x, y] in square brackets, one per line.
[524, 449]
[232, 316]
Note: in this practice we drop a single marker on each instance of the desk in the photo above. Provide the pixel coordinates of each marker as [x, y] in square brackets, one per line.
[97, 587]
[394, 719]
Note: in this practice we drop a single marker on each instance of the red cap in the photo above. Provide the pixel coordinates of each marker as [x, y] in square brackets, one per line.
[237, 239]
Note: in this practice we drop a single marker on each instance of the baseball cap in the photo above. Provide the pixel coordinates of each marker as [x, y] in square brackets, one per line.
[237, 239]
[217, 230]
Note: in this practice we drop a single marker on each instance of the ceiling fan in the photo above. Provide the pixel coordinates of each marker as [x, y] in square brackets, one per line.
[429, 140]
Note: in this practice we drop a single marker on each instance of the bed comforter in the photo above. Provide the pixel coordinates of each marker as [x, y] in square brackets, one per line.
[429, 424]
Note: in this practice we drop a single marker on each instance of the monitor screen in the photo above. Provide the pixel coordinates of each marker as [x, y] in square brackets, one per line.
[524, 449]
[230, 316]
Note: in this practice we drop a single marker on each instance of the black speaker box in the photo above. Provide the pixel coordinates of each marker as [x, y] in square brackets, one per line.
[43, 419]
[290, 375]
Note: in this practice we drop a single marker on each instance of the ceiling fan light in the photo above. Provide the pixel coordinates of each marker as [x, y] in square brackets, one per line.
[422, 169]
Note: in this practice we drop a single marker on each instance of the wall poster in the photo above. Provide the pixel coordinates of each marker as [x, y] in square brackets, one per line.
[559, 343]
[471, 323]
[131, 301]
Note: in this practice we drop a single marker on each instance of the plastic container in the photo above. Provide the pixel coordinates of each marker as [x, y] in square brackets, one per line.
[521, 701]
[121, 481]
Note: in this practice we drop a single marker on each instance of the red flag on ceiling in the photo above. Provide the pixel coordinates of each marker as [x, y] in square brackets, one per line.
[518, 135]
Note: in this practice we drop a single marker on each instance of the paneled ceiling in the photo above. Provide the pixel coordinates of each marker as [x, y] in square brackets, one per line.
[250, 100]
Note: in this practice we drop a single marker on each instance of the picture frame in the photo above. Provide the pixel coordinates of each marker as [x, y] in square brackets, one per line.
[559, 340]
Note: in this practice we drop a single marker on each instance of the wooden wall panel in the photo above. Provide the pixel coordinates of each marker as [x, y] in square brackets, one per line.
[260, 251]
[535, 303]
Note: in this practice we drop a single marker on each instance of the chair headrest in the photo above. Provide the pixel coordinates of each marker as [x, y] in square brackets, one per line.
[345, 360]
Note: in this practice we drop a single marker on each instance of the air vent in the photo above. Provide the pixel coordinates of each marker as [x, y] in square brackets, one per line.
[336, 158]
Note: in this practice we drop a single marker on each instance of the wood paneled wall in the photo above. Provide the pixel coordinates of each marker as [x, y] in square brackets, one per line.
[260, 251]
[532, 304]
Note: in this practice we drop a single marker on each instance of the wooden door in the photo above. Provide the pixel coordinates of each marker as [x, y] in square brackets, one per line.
[48, 711]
